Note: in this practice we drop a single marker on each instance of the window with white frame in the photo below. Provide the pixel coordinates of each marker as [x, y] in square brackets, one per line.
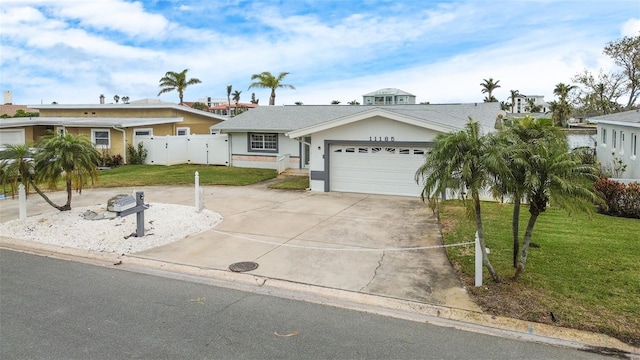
[101, 138]
[614, 139]
[622, 142]
[634, 144]
[183, 131]
[604, 136]
[263, 142]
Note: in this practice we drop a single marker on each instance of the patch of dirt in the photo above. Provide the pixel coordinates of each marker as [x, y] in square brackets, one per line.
[513, 299]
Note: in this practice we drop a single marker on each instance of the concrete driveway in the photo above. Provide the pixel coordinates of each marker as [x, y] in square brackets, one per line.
[354, 242]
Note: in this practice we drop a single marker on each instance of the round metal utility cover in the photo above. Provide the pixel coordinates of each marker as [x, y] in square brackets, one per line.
[243, 266]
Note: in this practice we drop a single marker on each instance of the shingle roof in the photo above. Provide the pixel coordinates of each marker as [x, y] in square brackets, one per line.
[627, 118]
[290, 118]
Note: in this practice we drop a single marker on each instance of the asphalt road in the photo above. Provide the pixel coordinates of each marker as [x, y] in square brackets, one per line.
[56, 309]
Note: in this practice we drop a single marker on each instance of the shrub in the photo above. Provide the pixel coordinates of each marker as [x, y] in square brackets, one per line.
[137, 156]
[620, 199]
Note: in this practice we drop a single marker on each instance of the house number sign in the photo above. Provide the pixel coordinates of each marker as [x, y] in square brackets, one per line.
[382, 138]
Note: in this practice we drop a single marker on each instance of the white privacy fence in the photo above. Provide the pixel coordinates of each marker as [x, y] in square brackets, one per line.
[190, 149]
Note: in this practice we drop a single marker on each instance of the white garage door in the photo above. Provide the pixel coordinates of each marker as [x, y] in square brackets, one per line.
[388, 170]
[12, 137]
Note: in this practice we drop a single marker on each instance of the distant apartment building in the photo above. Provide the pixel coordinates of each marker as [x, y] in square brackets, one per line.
[521, 104]
[388, 96]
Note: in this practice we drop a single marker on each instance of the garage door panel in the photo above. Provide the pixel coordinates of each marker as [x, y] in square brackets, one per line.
[377, 170]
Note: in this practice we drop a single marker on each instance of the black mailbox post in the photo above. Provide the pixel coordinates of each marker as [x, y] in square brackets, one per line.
[139, 211]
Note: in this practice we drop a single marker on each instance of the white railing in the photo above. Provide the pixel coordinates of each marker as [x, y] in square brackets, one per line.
[282, 163]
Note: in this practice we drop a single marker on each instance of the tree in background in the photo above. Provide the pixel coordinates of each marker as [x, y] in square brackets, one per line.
[173, 81]
[229, 89]
[125, 99]
[335, 102]
[514, 95]
[460, 161]
[488, 86]
[532, 107]
[116, 98]
[266, 80]
[200, 106]
[353, 102]
[562, 109]
[599, 94]
[625, 53]
[253, 99]
[236, 100]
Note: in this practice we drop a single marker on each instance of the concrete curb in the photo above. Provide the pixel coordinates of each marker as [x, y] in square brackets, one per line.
[398, 308]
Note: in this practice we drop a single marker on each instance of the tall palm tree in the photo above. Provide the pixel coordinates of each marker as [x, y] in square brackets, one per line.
[236, 100]
[229, 88]
[267, 81]
[514, 95]
[69, 157]
[173, 81]
[460, 161]
[562, 108]
[556, 176]
[488, 86]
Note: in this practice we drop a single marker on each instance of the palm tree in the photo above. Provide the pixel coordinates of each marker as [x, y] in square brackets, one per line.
[532, 107]
[562, 109]
[229, 88]
[236, 100]
[514, 95]
[335, 102]
[510, 179]
[72, 158]
[116, 98]
[553, 175]
[16, 166]
[487, 88]
[460, 161]
[267, 81]
[176, 81]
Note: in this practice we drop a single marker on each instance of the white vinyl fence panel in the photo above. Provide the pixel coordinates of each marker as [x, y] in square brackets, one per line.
[190, 149]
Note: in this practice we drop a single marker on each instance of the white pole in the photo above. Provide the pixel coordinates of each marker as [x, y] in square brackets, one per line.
[197, 193]
[478, 261]
[22, 202]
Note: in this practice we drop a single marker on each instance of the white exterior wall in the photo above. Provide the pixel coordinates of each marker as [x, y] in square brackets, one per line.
[606, 152]
[377, 128]
[242, 157]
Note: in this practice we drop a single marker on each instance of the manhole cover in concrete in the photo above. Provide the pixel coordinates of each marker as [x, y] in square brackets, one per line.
[243, 266]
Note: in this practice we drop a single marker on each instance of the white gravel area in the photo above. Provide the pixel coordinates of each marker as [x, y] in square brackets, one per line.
[163, 224]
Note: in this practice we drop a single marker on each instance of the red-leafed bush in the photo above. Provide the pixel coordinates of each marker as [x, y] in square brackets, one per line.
[620, 199]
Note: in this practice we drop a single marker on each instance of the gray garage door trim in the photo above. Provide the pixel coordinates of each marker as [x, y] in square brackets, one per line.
[329, 144]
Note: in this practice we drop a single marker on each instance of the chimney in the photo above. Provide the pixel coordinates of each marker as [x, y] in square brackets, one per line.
[8, 98]
[101, 99]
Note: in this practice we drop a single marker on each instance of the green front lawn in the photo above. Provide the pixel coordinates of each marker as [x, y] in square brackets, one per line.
[139, 175]
[586, 270]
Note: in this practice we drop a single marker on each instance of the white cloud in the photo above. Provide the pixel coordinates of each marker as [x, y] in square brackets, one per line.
[631, 27]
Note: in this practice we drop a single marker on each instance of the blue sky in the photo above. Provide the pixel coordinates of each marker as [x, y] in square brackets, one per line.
[73, 51]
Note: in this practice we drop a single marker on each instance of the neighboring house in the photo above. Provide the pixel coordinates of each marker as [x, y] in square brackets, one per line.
[521, 103]
[111, 127]
[618, 140]
[388, 96]
[365, 149]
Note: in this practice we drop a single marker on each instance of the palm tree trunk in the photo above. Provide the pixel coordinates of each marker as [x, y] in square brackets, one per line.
[272, 99]
[37, 189]
[525, 245]
[67, 206]
[485, 258]
[515, 222]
